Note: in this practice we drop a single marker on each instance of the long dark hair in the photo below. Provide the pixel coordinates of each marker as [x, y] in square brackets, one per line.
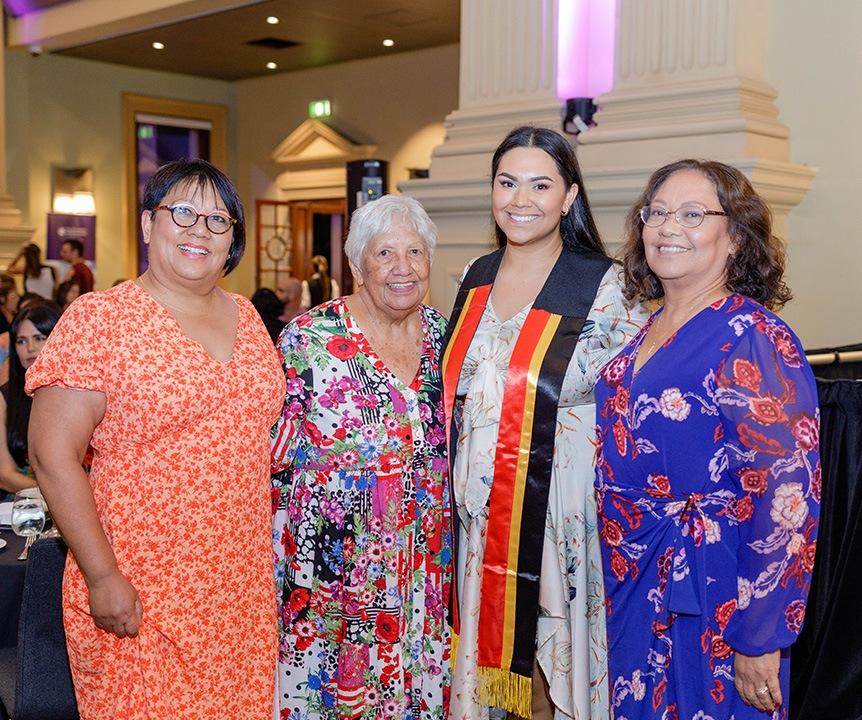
[577, 227]
[61, 292]
[756, 269]
[33, 261]
[44, 316]
[204, 175]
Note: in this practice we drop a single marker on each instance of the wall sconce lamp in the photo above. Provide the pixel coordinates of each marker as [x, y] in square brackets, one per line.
[72, 191]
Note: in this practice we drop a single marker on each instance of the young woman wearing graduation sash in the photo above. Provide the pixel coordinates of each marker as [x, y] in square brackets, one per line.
[532, 325]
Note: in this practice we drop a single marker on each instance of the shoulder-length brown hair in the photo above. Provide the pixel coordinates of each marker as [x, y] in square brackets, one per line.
[756, 268]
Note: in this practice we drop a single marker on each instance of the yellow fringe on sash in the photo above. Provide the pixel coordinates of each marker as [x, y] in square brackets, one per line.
[506, 690]
[453, 647]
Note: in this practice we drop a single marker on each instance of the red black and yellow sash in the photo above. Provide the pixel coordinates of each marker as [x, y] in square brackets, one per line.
[509, 601]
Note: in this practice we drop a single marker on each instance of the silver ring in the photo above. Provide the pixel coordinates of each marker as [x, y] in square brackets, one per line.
[762, 691]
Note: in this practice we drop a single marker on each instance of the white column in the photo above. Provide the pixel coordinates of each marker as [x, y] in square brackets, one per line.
[690, 81]
[508, 77]
[12, 231]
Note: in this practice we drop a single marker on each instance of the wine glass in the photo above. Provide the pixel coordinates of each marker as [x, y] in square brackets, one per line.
[28, 513]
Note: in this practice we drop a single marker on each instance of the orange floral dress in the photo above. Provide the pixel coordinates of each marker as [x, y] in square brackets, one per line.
[180, 476]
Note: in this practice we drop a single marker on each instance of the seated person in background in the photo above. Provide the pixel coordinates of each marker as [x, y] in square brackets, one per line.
[39, 278]
[30, 298]
[289, 292]
[67, 292]
[72, 251]
[9, 298]
[269, 308]
[27, 299]
[29, 331]
[319, 288]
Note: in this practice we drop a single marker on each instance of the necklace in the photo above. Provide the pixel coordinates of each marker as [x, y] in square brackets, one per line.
[690, 311]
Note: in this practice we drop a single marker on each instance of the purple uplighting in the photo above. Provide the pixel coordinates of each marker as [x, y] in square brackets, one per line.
[585, 48]
[18, 8]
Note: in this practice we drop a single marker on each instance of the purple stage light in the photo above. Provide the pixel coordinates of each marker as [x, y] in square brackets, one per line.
[585, 48]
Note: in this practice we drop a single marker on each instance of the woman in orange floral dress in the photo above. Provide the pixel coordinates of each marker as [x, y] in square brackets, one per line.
[168, 593]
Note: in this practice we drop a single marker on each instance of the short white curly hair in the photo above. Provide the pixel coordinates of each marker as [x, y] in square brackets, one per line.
[380, 216]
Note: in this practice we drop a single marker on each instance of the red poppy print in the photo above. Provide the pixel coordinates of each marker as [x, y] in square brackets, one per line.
[386, 628]
[342, 348]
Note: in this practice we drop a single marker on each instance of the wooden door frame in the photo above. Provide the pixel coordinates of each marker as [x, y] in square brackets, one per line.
[133, 104]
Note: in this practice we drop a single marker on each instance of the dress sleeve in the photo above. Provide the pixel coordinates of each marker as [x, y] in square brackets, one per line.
[611, 324]
[299, 376]
[76, 354]
[767, 398]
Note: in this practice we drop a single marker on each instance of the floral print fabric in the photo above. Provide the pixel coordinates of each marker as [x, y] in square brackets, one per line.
[360, 529]
[571, 630]
[180, 481]
[708, 480]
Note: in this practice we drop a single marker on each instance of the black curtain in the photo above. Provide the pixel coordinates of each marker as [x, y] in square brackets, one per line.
[826, 660]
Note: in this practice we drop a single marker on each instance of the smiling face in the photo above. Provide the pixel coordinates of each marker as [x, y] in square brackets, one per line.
[395, 270]
[529, 197]
[186, 255]
[28, 343]
[691, 258]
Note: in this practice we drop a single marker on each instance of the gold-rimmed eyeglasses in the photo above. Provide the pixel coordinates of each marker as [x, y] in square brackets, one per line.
[186, 216]
[690, 216]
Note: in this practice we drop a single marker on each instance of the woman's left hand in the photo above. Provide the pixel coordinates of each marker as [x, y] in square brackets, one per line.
[757, 680]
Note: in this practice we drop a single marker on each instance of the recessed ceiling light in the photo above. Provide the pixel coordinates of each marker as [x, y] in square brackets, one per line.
[158, 46]
[272, 20]
[271, 66]
[388, 42]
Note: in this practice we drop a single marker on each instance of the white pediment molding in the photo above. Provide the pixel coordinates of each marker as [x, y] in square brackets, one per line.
[315, 145]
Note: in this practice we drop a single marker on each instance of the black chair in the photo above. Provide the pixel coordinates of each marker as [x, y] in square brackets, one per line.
[35, 681]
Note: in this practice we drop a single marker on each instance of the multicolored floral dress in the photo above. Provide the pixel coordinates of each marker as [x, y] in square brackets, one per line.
[708, 480]
[570, 643]
[361, 533]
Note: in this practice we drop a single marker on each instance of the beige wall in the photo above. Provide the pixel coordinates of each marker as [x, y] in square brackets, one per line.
[396, 102]
[66, 111]
[815, 64]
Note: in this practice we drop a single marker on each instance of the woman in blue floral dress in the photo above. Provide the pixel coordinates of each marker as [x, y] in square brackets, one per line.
[360, 529]
[708, 473]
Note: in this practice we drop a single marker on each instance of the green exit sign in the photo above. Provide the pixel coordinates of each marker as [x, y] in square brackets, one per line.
[319, 108]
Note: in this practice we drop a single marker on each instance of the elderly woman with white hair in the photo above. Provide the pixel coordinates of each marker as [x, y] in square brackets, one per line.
[361, 528]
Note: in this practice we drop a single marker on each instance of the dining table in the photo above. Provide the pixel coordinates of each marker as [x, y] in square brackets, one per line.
[11, 587]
